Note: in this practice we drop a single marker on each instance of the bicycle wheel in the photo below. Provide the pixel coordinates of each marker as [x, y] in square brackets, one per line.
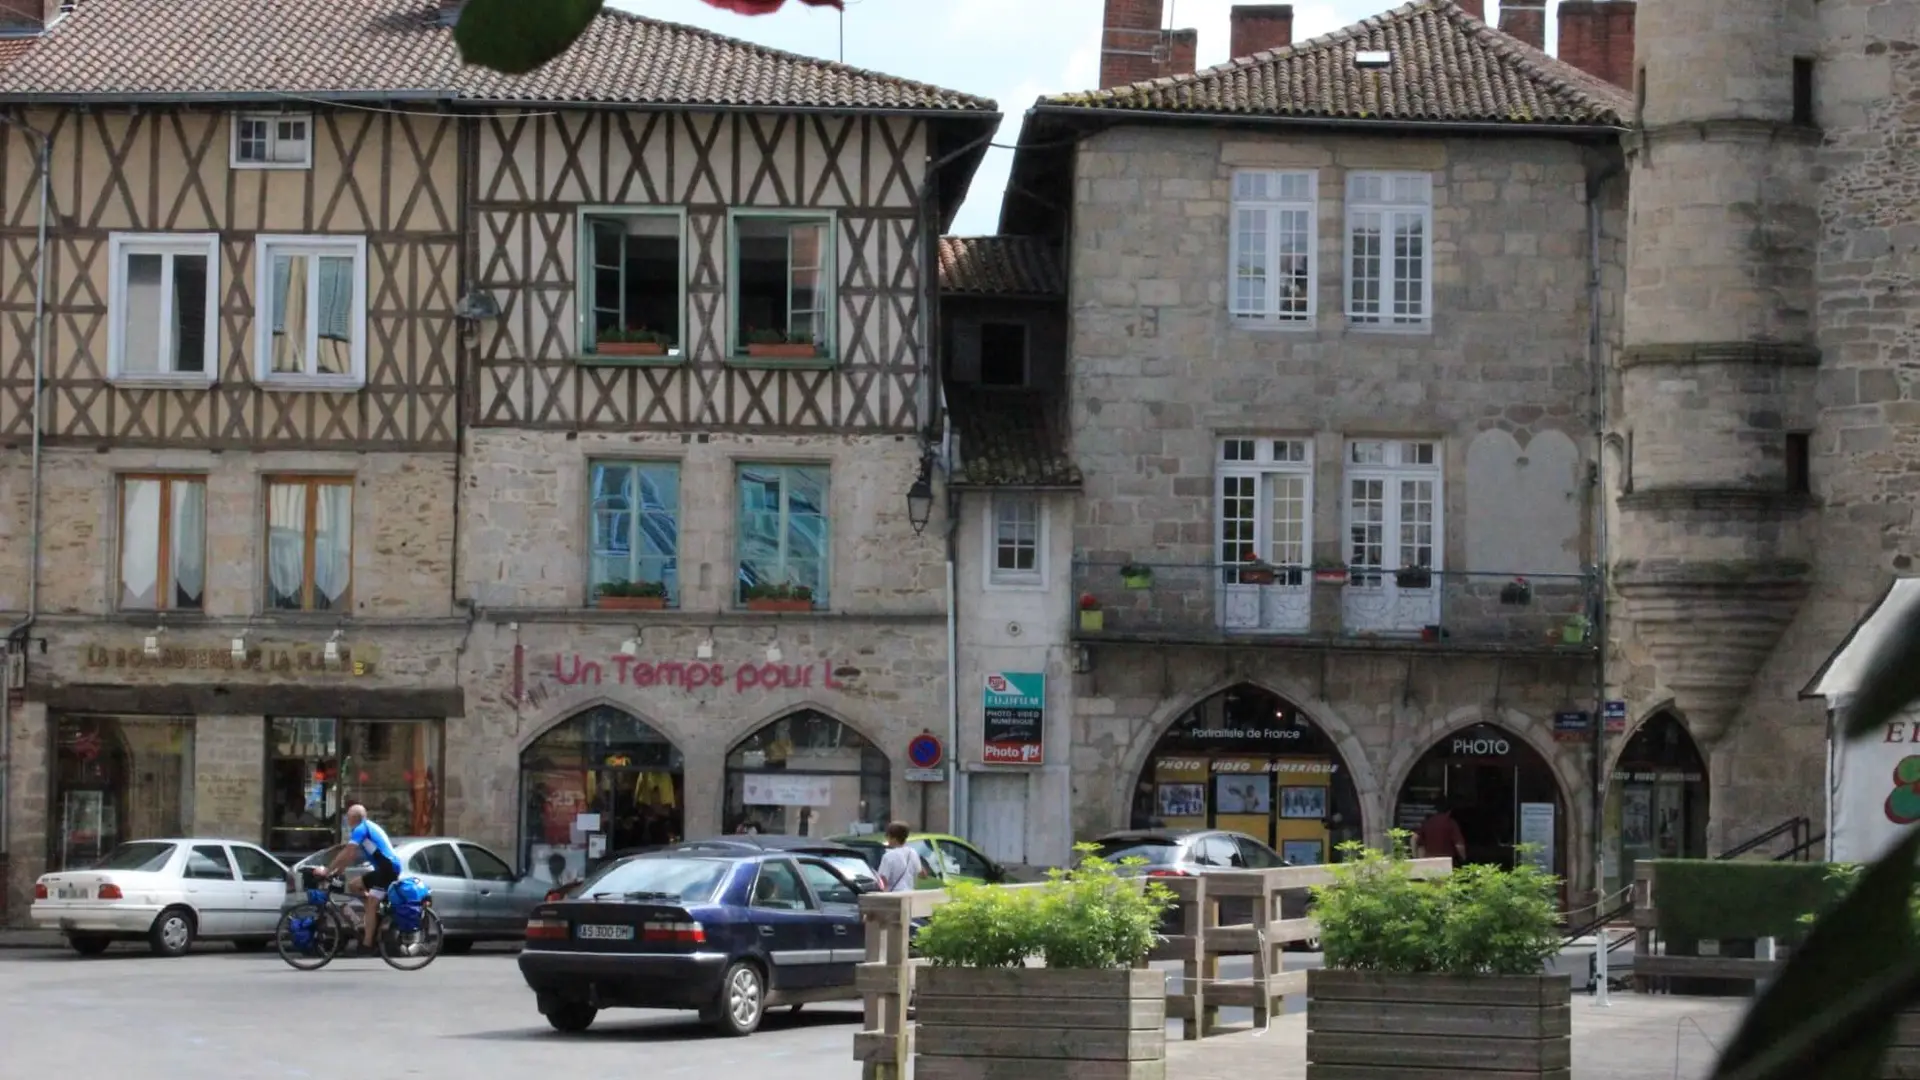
[309, 936]
[415, 950]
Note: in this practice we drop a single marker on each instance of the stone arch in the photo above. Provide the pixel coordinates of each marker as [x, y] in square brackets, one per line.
[871, 763]
[1617, 744]
[565, 708]
[1323, 715]
[743, 730]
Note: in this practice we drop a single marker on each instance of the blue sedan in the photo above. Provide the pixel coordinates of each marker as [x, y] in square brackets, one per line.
[728, 934]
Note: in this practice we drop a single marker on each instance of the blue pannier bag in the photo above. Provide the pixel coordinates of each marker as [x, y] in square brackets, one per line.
[406, 897]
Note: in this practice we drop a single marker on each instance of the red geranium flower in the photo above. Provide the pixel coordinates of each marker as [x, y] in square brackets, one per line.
[765, 7]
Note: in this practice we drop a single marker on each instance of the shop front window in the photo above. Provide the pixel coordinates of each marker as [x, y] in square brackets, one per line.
[318, 766]
[1656, 801]
[118, 779]
[599, 784]
[807, 774]
[1500, 793]
[1248, 761]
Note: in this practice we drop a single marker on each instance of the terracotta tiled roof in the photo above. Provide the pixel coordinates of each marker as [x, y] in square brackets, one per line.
[1000, 266]
[1446, 67]
[13, 48]
[1010, 438]
[142, 48]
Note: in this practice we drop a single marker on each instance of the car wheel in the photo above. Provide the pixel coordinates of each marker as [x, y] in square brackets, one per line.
[572, 1017]
[250, 944]
[89, 944]
[743, 996]
[172, 932]
[457, 946]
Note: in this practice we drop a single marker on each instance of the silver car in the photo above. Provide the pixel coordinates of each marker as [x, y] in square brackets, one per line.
[475, 892]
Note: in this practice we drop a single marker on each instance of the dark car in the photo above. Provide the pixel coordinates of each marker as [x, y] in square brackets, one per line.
[1188, 852]
[712, 928]
[848, 860]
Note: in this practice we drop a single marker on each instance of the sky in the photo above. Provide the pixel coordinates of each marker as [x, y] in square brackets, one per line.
[1012, 51]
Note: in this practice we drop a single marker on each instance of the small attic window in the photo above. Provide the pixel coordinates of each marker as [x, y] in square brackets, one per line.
[1369, 58]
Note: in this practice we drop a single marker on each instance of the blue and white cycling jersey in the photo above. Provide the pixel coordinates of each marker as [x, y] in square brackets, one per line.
[372, 839]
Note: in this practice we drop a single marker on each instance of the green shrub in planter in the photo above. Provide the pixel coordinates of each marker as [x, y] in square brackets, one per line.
[1721, 900]
[1465, 954]
[982, 1010]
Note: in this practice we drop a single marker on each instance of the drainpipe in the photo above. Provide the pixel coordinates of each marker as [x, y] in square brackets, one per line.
[1596, 360]
[955, 802]
[39, 425]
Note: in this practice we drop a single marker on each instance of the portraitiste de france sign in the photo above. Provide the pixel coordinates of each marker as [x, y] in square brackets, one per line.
[1016, 712]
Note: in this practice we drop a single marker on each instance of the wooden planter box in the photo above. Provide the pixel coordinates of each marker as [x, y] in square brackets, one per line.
[765, 604]
[1366, 1026]
[630, 603]
[1902, 1059]
[784, 352]
[629, 348]
[1037, 1022]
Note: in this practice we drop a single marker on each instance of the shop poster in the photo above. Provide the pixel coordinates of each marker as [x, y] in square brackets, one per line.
[1876, 790]
[1015, 718]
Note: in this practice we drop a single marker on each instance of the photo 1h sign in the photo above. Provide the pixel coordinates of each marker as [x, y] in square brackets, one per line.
[1016, 711]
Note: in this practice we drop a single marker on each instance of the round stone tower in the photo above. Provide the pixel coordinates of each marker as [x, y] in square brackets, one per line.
[1719, 359]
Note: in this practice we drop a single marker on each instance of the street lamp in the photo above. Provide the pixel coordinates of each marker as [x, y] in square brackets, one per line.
[920, 500]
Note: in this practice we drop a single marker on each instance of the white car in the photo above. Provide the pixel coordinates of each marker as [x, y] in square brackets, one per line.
[168, 893]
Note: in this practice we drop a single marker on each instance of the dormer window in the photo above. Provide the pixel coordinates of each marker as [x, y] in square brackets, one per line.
[272, 141]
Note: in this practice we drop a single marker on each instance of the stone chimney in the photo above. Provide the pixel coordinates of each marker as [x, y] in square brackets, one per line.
[1259, 27]
[1596, 36]
[1526, 20]
[1134, 46]
[1475, 8]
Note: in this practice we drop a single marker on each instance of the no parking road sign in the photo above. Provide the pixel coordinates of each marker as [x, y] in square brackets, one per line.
[926, 753]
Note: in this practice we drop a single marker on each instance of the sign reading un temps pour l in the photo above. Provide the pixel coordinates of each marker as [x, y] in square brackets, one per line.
[1016, 712]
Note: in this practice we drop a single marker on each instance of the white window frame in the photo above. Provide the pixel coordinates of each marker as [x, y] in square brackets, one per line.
[1268, 314]
[1403, 196]
[273, 140]
[121, 245]
[998, 580]
[1282, 455]
[265, 248]
[1398, 465]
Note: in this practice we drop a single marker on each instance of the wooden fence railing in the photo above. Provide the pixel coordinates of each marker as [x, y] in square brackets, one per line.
[1652, 970]
[885, 980]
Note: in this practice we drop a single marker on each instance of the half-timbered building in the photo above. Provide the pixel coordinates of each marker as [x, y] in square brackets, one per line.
[526, 457]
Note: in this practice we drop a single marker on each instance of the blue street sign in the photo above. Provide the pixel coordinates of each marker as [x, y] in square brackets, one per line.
[925, 751]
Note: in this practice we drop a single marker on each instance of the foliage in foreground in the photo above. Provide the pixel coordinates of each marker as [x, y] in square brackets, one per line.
[517, 36]
[1090, 917]
[1480, 920]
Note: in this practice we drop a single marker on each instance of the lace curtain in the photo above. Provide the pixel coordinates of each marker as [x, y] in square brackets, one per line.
[188, 545]
[332, 545]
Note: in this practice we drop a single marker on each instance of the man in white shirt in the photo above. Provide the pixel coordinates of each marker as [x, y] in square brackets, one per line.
[900, 867]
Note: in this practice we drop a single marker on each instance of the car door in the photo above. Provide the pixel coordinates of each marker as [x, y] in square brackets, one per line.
[838, 931]
[497, 906]
[218, 898]
[930, 856]
[783, 915]
[265, 881]
[438, 866]
[966, 863]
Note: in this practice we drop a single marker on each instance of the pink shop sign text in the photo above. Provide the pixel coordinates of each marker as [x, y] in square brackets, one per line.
[623, 670]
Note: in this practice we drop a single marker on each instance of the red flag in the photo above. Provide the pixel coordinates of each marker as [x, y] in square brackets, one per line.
[764, 7]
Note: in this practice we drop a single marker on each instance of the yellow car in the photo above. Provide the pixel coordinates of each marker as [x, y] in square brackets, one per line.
[948, 857]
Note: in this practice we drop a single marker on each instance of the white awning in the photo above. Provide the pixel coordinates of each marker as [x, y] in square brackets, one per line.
[1840, 676]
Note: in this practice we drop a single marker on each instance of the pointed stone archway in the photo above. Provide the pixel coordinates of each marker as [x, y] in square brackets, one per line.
[1658, 799]
[599, 782]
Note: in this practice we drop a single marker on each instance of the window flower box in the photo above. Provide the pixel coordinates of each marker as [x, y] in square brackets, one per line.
[1414, 577]
[779, 598]
[1329, 575]
[631, 596]
[1516, 593]
[1092, 619]
[636, 342]
[774, 345]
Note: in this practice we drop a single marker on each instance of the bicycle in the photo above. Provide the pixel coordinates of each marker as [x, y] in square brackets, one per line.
[312, 933]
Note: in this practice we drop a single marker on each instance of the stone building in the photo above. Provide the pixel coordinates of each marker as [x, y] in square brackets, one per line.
[558, 496]
[1338, 313]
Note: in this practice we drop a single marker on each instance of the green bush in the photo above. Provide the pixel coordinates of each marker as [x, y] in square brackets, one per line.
[1481, 920]
[1716, 900]
[1089, 917]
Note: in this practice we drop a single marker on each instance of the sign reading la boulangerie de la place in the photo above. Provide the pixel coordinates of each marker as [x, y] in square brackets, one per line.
[1015, 718]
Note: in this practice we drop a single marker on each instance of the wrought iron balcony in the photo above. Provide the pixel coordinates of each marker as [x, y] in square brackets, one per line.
[1211, 603]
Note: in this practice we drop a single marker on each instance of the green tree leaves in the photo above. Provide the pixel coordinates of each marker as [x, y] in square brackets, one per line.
[517, 36]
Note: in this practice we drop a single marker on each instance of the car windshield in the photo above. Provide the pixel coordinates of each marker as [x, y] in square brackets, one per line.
[686, 880]
[1157, 851]
[851, 867]
[145, 856]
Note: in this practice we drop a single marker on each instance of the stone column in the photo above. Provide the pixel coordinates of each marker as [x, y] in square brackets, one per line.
[229, 786]
[28, 759]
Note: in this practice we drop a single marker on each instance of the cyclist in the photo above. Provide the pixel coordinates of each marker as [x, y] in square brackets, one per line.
[369, 840]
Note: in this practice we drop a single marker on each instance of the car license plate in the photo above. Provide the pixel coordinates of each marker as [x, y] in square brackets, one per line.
[75, 892]
[606, 933]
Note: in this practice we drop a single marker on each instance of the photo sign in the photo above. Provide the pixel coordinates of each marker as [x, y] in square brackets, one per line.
[1016, 709]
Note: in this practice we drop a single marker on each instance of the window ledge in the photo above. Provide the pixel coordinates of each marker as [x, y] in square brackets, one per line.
[1016, 584]
[775, 363]
[1264, 325]
[278, 165]
[186, 380]
[1402, 329]
[323, 384]
[673, 359]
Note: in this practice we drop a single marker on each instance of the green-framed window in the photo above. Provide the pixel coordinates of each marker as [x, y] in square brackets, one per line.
[633, 525]
[632, 283]
[784, 531]
[782, 293]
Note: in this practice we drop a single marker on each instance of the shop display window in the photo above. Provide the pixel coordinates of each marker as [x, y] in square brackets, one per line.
[807, 774]
[598, 784]
[317, 767]
[118, 779]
